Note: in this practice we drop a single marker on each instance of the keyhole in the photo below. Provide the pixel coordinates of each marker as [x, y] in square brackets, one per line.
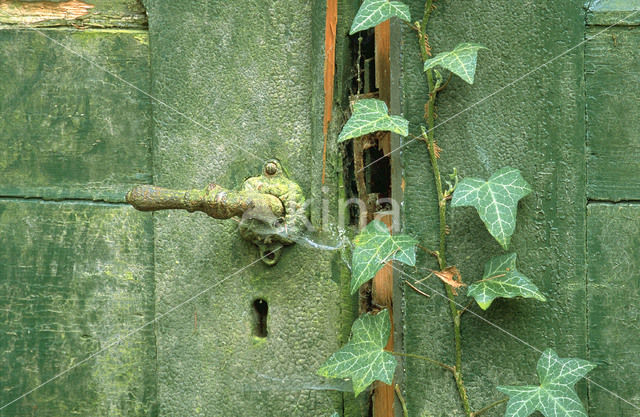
[260, 311]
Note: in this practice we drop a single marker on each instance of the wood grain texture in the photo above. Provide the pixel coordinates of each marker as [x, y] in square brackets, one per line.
[331, 21]
[536, 125]
[68, 128]
[613, 290]
[74, 277]
[93, 13]
[612, 74]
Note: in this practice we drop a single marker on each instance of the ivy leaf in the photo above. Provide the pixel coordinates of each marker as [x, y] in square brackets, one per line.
[374, 247]
[374, 12]
[556, 396]
[363, 358]
[502, 279]
[496, 201]
[461, 61]
[371, 115]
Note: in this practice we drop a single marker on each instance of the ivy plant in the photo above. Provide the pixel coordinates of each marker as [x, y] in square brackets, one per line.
[364, 358]
[374, 247]
[502, 279]
[555, 396]
[495, 199]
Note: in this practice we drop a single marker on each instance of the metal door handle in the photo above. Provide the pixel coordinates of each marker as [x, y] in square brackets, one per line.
[270, 207]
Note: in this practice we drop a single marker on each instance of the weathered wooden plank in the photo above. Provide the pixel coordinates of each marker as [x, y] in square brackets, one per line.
[253, 78]
[94, 13]
[612, 73]
[73, 278]
[614, 12]
[535, 125]
[69, 128]
[614, 321]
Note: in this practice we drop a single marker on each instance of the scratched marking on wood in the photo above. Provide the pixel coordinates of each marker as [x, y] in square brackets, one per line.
[69, 129]
[74, 278]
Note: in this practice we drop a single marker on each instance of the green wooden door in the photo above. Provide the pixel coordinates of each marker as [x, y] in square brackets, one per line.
[572, 127]
[76, 264]
[108, 311]
[247, 72]
[612, 84]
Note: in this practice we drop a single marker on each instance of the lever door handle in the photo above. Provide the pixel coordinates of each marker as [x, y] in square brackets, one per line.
[270, 207]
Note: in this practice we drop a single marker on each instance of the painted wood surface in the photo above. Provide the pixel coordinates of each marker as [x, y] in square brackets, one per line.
[612, 74]
[70, 127]
[613, 288]
[75, 277]
[536, 125]
[249, 87]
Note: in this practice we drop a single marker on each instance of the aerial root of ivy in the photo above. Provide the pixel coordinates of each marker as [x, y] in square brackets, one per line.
[413, 287]
[405, 412]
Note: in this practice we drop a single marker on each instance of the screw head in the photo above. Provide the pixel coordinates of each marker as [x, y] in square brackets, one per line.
[271, 168]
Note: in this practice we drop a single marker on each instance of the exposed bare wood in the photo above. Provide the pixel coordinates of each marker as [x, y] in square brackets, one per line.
[383, 396]
[34, 12]
[97, 13]
[329, 73]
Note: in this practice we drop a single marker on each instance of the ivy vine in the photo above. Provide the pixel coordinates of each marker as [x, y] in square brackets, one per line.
[364, 358]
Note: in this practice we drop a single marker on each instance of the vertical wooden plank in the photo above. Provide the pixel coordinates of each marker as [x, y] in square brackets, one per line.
[69, 127]
[613, 292]
[250, 73]
[536, 125]
[382, 296]
[612, 73]
[382, 286]
[76, 277]
[329, 74]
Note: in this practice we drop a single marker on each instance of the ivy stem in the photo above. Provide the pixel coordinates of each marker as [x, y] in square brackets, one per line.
[424, 358]
[405, 412]
[489, 407]
[428, 136]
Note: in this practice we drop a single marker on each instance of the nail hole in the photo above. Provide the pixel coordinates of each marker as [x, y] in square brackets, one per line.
[260, 311]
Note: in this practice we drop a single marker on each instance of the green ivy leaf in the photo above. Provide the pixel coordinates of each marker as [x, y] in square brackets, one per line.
[461, 61]
[502, 279]
[374, 12]
[374, 247]
[371, 115]
[555, 397]
[496, 201]
[363, 358]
